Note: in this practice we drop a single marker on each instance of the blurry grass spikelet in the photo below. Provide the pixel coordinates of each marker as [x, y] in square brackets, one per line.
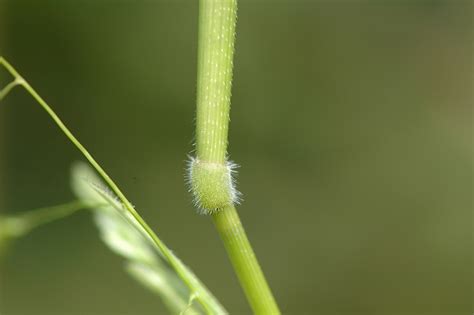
[123, 234]
[11, 228]
[6, 234]
[16, 226]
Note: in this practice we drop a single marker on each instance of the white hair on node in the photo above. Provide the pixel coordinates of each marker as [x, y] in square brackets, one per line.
[212, 184]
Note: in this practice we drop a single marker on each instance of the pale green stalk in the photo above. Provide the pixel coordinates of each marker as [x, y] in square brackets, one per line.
[216, 51]
[210, 304]
[217, 19]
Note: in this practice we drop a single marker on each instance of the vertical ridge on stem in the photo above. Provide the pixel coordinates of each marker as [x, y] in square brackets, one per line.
[217, 21]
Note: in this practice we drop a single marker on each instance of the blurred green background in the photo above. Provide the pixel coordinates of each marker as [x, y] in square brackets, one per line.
[352, 121]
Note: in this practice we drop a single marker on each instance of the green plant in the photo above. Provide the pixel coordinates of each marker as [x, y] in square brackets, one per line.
[210, 176]
[197, 291]
[150, 263]
[210, 172]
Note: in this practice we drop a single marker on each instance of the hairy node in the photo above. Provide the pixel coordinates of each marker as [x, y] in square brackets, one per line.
[212, 185]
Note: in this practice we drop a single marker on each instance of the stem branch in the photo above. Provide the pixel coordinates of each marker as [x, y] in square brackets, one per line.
[203, 296]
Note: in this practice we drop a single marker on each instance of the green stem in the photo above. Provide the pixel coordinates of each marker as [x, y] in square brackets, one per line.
[217, 19]
[215, 57]
[244, 261]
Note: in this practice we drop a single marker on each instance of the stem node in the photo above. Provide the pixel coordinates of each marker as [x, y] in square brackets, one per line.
[212, 185]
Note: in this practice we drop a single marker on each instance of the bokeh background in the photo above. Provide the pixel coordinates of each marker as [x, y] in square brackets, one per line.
[351, 120]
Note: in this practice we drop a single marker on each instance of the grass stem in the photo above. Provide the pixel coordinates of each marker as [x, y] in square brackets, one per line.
[245, 263]
[217, 20]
